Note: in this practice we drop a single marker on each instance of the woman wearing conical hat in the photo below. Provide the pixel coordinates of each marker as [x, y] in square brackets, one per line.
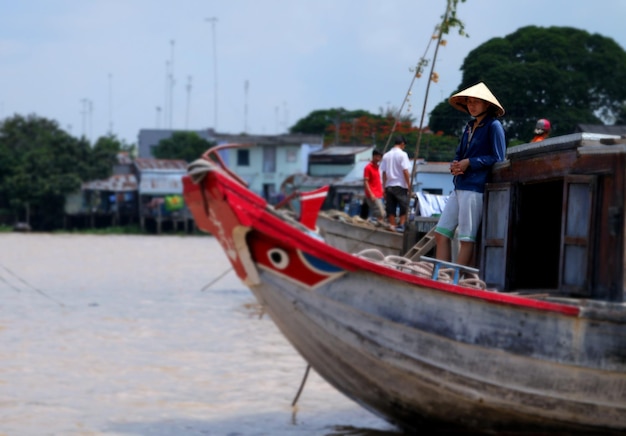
[482, 145]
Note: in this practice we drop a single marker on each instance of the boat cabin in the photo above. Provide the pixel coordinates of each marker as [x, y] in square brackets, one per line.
[554, 218]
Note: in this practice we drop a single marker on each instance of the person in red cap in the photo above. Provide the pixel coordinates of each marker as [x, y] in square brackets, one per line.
[482, 145]
[542, 130]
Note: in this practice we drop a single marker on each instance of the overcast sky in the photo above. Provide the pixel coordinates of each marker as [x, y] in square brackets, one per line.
[96, 66]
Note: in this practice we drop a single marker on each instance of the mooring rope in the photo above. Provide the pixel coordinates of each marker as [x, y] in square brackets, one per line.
[344, 217]
[215, 280]
[421, 268]
[39, 291]
[306, 374]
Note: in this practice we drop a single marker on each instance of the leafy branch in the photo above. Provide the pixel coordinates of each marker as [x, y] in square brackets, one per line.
[449, 21]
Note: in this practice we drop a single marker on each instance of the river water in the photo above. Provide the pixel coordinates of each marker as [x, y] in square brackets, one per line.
[149, 335]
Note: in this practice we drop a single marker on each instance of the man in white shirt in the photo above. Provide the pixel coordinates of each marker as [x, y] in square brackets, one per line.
[396, 181]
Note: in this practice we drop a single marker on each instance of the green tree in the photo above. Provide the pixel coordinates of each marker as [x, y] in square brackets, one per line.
[187, 146]
[40, 164]
[564, 74]
[103, 157]
[342, 127]
[360, 127]
[317, 122]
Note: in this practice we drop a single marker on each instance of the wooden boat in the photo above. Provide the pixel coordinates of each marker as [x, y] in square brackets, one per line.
[354, 234]
[537, 345]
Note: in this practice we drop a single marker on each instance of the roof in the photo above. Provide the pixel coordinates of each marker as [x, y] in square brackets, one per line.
[356, 173]
[434, 167]
[149, 138]
[601, 129]
[341, 150]
[584, 142]
[123, 158]
[164, 165]
[261, 140]
[115, 183]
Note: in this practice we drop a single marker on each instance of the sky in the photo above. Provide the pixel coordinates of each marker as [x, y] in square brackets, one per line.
[246, 66]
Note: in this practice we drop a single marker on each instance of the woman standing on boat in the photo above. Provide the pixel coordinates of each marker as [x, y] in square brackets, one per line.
[482, 145]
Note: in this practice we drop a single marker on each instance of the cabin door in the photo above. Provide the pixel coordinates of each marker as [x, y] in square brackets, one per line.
[576, 231]
[496, 229]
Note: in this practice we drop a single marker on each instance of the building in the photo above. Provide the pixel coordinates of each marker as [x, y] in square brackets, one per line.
[159, 193]
[267, 160]
[342, 168]
[143, 191]
[107, 202]
[150, 138]
[263, 163]
[433, 178]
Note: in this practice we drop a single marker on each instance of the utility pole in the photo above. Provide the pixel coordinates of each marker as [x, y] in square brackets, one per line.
[110, 104]
[172, 81]
[213, 21]
[90, 119]
[188, 102]
[245, 107]
[83, 114]
[166, 101]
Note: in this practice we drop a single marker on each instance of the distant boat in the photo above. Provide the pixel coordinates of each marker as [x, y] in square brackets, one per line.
[535, 343]
[354, 234]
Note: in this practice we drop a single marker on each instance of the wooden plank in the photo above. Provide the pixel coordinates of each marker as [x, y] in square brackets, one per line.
[422, 246]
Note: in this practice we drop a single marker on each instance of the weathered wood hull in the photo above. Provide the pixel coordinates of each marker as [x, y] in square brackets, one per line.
[421, 353]
[423, 360]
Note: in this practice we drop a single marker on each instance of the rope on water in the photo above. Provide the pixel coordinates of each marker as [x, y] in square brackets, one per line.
[25, 283]
[10, 285]
[215, 280]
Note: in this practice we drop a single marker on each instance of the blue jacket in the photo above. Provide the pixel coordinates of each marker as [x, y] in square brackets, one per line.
[487, 147]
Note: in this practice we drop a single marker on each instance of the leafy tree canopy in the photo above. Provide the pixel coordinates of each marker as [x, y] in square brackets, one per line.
[40, 164]
[343, 127]
[560, 73]
[182, 145]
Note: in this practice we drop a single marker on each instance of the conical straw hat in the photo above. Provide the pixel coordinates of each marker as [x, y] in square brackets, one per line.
[477, 91]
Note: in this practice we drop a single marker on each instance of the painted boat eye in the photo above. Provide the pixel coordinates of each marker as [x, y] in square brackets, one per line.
[278, 257]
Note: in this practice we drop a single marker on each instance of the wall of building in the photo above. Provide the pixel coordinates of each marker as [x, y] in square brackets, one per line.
[290, 159]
